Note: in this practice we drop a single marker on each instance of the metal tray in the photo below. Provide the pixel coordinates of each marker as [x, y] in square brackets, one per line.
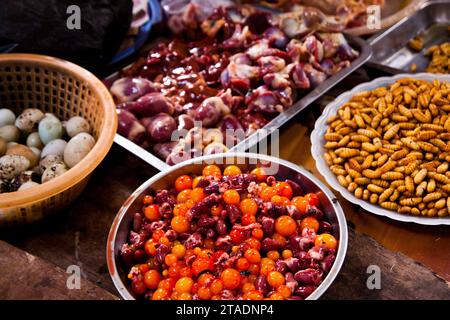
[390, 48]
[359, 44]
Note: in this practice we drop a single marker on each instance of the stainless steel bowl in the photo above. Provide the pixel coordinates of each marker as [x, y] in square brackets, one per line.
[246, 161]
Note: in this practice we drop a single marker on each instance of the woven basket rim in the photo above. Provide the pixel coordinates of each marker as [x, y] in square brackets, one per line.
[102, 146]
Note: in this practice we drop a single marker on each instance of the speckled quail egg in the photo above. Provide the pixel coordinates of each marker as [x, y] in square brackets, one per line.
[77, 148]
[22, 150]
[50, 128]
[53, 171]
[12, 165]
[28, 120]
[48, 161]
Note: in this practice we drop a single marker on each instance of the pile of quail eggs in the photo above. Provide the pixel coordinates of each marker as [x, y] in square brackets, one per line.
[36, 147]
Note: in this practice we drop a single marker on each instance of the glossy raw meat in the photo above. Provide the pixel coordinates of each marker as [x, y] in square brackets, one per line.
[235, 70]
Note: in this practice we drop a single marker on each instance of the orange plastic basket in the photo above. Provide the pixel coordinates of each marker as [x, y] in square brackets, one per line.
[65, 89]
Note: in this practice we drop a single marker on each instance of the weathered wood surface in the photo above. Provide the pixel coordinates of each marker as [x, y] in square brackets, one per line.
[400, 276]
[25, 276]
[78, 236]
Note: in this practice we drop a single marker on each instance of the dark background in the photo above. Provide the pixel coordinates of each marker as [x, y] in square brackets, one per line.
[31, 26]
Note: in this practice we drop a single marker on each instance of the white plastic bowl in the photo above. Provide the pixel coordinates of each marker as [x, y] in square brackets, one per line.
[318, 150]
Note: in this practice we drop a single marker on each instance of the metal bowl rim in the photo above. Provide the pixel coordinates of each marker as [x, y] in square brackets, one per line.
[342, 223]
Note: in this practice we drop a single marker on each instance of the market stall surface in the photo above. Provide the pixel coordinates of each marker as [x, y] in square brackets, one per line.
[413, 259]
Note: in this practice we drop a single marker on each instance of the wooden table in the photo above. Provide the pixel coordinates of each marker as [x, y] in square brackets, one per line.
[413, 259]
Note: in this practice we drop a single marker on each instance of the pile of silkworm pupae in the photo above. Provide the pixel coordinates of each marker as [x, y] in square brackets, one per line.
[391, 147]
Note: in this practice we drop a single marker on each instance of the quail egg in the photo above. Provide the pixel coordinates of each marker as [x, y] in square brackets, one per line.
[33, 140]
[12, 165]
[6, 117]
[54, 171]
[77, 148]
[29, 119]
[50, 128]
[22, 150]
[10, 133]
[55, 147]
[76, 125]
